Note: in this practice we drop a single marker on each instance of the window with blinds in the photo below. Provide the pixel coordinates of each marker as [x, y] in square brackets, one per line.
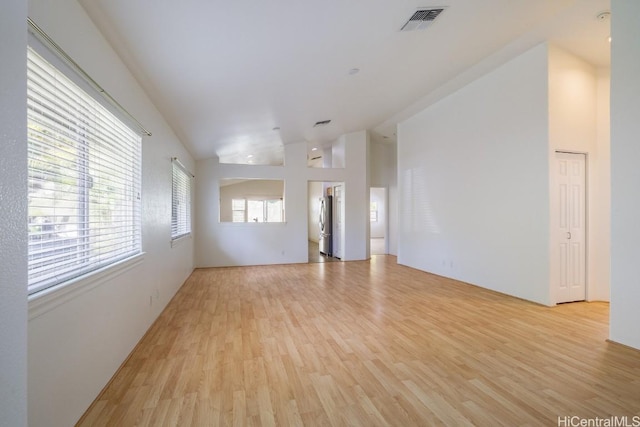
[238, 209]
[180, 202]
[84, 180]
[257, 210]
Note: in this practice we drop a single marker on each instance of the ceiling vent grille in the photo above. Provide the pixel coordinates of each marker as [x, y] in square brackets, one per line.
[422, 19]
[322, 123]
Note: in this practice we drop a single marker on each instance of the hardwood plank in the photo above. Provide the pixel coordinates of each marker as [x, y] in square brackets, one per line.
[365, 343]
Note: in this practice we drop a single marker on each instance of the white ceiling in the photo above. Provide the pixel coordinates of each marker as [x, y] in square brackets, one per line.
[226, 73]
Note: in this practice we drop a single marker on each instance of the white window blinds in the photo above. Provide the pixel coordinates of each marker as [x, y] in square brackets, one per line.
[238, 208]
[180, 202]
[84, 180]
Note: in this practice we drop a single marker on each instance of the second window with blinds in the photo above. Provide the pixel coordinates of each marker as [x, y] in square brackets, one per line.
[180, 202]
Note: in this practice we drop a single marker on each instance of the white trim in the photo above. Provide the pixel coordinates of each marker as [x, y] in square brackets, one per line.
[178, 240]
[48, 299]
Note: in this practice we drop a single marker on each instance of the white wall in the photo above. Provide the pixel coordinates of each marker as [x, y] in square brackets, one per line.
[228, 244]
[13, 208]
[600, 239]
[225, 244]
[314, 192]
[327, 157]
[258, 189]
[356, 196]
[77, 342]
[625, 173]
[578, 106]
[338, 155]
[383, 163]
[473, 182]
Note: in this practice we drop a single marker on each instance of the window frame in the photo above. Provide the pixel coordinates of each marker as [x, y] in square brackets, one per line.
[179, 176]
[90, 262]
[243, 210]
[264, 202]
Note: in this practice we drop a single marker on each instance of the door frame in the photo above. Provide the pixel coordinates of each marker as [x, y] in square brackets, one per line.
[326, 184]
[340, 237]
[553, 294]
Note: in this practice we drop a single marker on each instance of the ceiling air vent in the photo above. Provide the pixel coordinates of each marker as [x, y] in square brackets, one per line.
[422, 19]
[322, 123]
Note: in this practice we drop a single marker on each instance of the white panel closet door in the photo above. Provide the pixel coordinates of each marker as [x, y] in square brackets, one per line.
[569, 228]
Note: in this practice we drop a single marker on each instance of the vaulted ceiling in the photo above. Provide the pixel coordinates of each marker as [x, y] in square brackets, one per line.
[240, 78]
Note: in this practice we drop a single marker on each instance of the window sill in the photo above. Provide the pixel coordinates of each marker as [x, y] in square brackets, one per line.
[252, 224]
[48, 299]
[179, 240]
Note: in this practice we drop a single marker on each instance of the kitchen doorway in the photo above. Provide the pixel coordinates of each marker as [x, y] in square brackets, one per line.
[324, 236]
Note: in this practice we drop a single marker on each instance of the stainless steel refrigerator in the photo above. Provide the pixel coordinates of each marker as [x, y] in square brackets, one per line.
[326, 226]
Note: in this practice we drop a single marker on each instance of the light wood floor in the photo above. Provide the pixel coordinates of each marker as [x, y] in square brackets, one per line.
[366, 343]
[316, 256]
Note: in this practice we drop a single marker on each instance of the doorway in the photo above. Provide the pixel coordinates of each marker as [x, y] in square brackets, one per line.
[568, 227]
[378, 221]
[317, 192]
